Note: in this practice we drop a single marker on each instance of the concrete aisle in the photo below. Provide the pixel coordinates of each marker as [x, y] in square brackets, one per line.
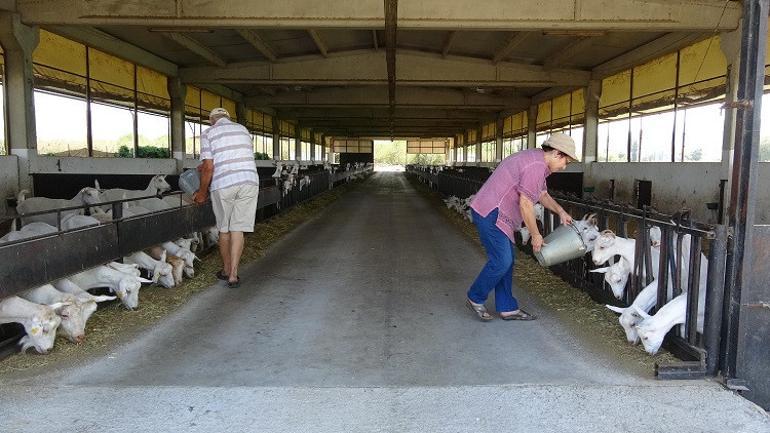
[355, 322]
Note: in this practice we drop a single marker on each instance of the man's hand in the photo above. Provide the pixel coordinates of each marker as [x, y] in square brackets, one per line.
[565, 218]
[537, 242]
[200, 197]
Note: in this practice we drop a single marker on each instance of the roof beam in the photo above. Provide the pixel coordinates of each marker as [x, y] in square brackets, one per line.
[370, 96]
[318, 42]
[514, 41]
[257, 42]
[368, 67]
[198, 48]
[569, 51]
[370, 112]
[508, 15]
[448, 41]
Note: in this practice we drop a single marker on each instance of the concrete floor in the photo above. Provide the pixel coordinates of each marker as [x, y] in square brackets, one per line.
[355, 322]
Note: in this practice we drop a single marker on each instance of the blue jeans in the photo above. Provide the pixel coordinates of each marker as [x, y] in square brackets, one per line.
[498, 272]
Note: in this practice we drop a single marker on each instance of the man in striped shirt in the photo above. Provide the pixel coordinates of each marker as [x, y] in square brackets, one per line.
[229, 172]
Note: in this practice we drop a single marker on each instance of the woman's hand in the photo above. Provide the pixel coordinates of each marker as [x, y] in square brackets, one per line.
[537, 242]
[565, 218]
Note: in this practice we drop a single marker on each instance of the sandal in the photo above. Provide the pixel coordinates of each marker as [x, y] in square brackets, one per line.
[479, 310]
[520, 315]
[221, 276]
[234, 284]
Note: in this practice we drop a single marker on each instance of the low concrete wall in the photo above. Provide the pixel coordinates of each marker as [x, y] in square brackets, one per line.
[53, 164]
[9, 180]
[674, 185]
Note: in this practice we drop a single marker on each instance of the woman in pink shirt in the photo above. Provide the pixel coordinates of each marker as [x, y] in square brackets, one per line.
[506, 200]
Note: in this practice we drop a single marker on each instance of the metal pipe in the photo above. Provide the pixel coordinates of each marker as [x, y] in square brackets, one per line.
[744, 173]
[693, 289]
[712, 322]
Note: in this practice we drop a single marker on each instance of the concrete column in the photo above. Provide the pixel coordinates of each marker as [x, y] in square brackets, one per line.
[240, 112]
[298, 142]
[465, 146]
[276, 138]
[478, 144]
[730, 44]
[177, 91]
[532, 127]
[312, 145]
[499, 138]
[19, 41]
[591, 95]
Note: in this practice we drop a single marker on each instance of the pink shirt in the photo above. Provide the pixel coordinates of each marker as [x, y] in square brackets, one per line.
[521, 173]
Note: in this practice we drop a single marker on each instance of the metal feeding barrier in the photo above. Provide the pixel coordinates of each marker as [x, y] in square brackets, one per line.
[699, 351]
[34, 261]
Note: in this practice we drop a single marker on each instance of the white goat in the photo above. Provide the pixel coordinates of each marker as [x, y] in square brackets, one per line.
[40, 322]
[278, 170]
[125, 286]
[38, 204]
[157, 184]
[305, 181]
[66, 285]
[28, 231]
[185, 254]
[73, 313]
[616, 275]
[155, 204]
[74, 221]
[162, 273]
[653, 329]
[630, 317]
[588, 226]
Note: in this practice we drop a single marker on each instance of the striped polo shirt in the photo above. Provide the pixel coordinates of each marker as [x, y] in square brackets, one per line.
[229, 145]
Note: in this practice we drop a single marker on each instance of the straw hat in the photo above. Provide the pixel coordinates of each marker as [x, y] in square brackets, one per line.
[563, 143]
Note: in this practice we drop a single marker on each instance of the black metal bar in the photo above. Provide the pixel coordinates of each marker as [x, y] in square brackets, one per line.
[89, 128]
[665, 248]
[693, 291]
[744, 173]
[712, 322]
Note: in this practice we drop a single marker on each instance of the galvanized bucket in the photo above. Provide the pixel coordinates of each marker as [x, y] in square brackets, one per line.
[563, 244]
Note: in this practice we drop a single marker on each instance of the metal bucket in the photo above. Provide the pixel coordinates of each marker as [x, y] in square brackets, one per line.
[563, 244]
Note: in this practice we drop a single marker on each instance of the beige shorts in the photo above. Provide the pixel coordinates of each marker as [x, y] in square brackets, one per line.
[235, 207]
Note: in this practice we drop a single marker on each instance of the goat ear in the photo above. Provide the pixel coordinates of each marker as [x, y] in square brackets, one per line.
[57, 306]
[639, 313]
[96, 184]
[163, 256]
[618, 310]
[603, 270]
[195, 257]
[143, 280]
[103, 298]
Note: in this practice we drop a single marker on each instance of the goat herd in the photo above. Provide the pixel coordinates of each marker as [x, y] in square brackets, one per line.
[604, 247]
[65, 305]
